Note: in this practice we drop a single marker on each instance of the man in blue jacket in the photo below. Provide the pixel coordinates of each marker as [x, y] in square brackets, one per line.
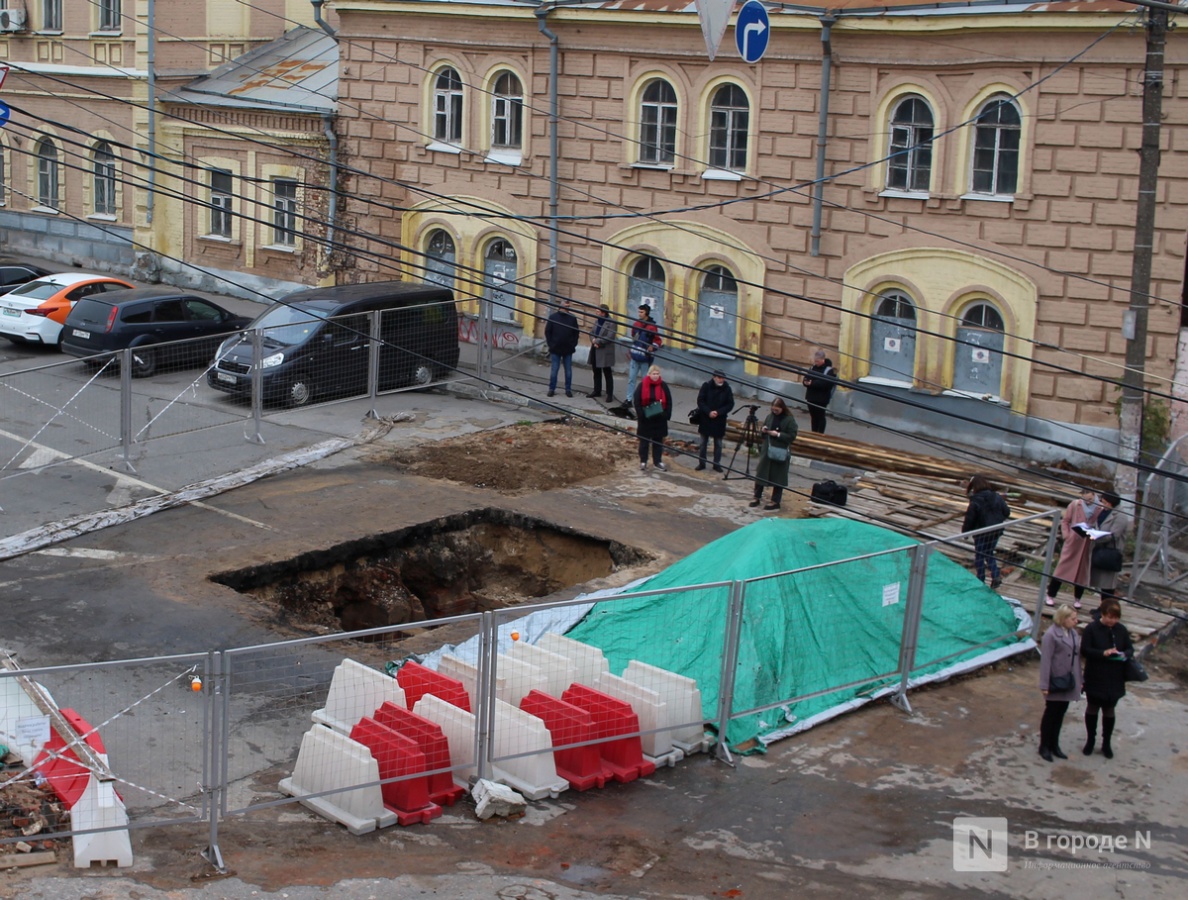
[561, 337]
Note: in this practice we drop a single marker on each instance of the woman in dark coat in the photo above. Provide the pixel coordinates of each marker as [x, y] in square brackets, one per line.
[986, 508]
[714, 402]
[602, 353]
[778, 431]
[651, 421]
[1106, 646]
[1060, 652]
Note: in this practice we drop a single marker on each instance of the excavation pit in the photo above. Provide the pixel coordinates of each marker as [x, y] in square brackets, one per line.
[471, 562]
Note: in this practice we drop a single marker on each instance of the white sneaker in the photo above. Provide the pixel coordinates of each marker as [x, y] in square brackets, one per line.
[662, 467]
[643, 467]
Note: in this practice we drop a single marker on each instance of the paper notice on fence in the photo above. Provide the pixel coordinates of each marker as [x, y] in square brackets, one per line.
[890, 594]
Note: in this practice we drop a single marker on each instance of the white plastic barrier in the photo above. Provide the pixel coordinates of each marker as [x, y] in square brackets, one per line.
[649, 708]
[682, 699]
[588, 662]
[518, 678]
[468, 675]
[100, 807]
[458, 727]
[535, 776]
[557, 669]
[329, 761]
[356, 691]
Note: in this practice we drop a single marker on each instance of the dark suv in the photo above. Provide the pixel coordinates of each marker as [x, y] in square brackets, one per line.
[14, 274]
[151, 321]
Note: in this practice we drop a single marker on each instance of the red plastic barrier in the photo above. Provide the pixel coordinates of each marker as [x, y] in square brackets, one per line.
[569, 724]
[431, 741]
[60, 766]
[624, 758]
[398, 756]
[417, 681]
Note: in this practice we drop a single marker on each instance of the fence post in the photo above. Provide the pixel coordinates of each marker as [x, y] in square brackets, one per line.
[373, 363]
[126, 408]
[917, 576]
[216, 763]
[734, 607]
[257, 383]
[1045, 575]
[484, 703]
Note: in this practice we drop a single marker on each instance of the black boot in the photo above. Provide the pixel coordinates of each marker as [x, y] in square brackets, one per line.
[1045, 753]
[1090, 732]
[1107, 731]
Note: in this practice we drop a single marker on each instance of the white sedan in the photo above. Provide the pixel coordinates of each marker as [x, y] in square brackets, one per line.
[34, 312]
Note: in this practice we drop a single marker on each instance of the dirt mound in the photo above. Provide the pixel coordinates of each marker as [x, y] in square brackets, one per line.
[525, 457]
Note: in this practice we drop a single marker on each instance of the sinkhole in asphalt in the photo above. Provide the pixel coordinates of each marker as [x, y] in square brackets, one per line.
[470, 562]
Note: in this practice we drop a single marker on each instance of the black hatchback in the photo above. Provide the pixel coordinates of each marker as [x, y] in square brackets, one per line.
[160, 324]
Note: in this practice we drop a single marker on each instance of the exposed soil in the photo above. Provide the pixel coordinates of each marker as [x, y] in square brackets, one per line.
[519, 458]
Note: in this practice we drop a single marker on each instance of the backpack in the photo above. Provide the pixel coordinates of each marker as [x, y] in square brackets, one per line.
[830, 493]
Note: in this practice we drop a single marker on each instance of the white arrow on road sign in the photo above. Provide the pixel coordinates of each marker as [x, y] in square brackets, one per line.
[751, 31]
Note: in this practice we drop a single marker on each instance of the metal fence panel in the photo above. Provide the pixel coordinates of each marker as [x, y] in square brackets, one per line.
[148, 719]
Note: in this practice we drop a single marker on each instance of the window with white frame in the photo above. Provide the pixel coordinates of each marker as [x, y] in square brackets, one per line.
[997, 130]
[657, 123]
[220, 203]
[51, 15]
[507, 113]
[447, 107]
[730, 120]
[909, 164]
[284, 212]
[47, 174]
[103, 172]
[110, 15]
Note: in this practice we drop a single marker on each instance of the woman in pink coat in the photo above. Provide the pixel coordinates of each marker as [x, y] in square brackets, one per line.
[1078, 551]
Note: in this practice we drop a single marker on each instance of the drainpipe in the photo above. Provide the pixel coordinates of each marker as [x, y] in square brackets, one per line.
[150, 201]
[822, 130]
[332, 205]
[317, 5]
[553, 202]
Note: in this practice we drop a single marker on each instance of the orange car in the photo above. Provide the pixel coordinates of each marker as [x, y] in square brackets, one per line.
[34, 312]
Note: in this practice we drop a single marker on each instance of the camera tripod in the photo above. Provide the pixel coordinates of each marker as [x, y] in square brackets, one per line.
[750, 437]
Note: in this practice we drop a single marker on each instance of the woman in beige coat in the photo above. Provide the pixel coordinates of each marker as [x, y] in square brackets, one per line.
[1077, 552]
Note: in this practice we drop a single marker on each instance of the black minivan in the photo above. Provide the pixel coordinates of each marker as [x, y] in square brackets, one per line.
[315, 344]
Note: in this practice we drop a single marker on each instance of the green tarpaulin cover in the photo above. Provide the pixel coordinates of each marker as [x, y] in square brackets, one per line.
[800, 634]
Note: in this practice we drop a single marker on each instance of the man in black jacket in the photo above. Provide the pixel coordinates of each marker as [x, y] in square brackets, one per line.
[714, 402]
[818, 389]
[561, 337]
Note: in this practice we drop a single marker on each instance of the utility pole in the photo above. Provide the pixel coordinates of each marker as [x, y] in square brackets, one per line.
[1134, 323]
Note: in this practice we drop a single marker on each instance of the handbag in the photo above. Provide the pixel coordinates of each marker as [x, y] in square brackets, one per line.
[1107, 558]
[653, 409]
[695, 416]
[590, 358]
[1135, 670]
[1058, 684]
[777, 454]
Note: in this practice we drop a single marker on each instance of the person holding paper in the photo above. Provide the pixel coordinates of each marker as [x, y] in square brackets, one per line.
[1113, 524]
[1078, 549]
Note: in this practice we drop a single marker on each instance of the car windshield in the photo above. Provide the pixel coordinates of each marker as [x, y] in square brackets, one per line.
[289, 325]
[36, 290]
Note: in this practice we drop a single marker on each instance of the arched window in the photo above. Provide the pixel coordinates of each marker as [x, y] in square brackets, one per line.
[447, 107]
[441, 259]
[977, 362]
[730, 120]
[893, 338]
[647, 285]
[47, 174]
[507, 112]
[909, 167]
[658, 123]
[104, 185]
[996, 147]
[500, 270]
[717, 312]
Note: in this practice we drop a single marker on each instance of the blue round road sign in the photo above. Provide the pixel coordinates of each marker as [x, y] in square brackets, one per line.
[751, 31]
[5, 112]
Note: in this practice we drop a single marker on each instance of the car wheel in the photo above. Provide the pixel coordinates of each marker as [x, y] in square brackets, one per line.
[301, 391]
[144, 362]
[422, 375]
